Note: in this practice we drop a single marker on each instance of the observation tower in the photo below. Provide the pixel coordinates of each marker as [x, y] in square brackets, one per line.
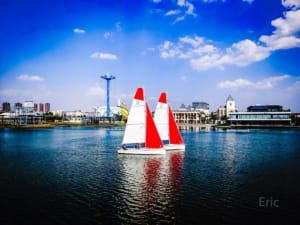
[108, 77]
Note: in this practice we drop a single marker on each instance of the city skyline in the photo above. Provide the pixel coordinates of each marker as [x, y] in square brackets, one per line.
[13, 107]
[201, 50]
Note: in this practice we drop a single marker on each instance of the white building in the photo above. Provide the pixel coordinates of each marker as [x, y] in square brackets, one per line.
[230, 105]
[221, 111]
[100, 111]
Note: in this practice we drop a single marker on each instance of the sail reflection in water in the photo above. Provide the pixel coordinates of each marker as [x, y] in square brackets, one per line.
[150, 188]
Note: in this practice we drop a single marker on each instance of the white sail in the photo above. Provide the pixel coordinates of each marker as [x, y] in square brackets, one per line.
[166, 125]
[135, 127]
[141, 130]
[161, 120]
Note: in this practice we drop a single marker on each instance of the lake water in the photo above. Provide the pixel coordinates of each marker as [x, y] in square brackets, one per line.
[73, 175]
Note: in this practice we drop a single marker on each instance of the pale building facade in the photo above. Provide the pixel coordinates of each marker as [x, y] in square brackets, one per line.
[230, 105]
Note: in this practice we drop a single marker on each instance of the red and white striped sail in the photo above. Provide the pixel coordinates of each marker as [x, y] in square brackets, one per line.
[166, 124]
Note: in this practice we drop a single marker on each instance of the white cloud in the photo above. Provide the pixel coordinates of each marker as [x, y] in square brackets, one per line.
[244, 53]
[181, 2]
[296, 86]
[210, 1]
[178, 19]
[292, 4]
[107, 35]
[248, 1]
[195, 42]
[270, 82]
[235, 83]
[26, 77]
[203, 55]
[150, 49]
[118, 26]
[79, 31]
[95, 90]
[190, 9]
[277, 43]
[172, 12]
[267, 83]
[185, 8]
[284, 35]
[101, 55]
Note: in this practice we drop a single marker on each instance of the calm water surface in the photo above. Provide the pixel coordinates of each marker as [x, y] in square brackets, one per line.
[75, 176]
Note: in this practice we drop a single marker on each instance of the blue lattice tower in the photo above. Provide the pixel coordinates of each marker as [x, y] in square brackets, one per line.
[108, 77]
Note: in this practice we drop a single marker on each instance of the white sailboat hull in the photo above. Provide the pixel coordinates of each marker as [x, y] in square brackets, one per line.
[142, 151]
[175, 147]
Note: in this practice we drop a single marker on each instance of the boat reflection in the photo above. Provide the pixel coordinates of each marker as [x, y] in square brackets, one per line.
[149, 191]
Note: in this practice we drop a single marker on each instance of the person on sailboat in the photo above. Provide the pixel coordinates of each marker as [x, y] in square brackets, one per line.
[124, 147]
[138, 145]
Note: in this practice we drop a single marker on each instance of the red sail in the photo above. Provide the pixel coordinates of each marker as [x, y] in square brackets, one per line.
[139, 94]
[152, 137]
[163, 97]
[175, 136]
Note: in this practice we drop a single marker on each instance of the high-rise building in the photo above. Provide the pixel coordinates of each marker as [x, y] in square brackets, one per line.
[6, 107]
[47, 107]
[18, 105]
[35, 107]
[41, 106]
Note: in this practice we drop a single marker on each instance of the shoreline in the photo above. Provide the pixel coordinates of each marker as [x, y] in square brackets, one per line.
[52, 125]
[222, 127]
[245, 127]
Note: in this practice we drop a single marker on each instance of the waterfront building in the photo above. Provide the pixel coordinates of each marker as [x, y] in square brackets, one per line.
[182, 107]
[195, 117]
[221, 112]
[261, 115]
[201, 106]
[47, 107]
[18, 105]
[41, 107]
[74, 117]
[101, 111]
[295, 119]
[5, 107]
[35, 107]
[28, 107]
[264, 108]
[21, 115]
[18, 108]
[230, 105]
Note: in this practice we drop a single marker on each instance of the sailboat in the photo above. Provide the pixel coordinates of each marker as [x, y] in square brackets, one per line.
[166, 125]
[141, 135]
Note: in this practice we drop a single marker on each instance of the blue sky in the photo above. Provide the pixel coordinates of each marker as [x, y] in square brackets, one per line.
[196, 50]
